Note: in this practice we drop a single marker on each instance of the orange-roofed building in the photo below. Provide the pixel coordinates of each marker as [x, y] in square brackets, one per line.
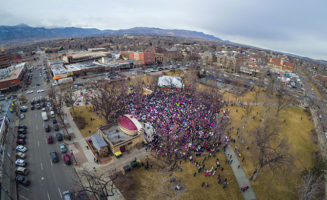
[281, 65]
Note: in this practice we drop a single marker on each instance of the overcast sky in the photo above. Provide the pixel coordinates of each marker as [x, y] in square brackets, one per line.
[295, 26]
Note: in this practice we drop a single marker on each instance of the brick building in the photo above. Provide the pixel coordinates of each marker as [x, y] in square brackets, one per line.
[11, 77]
[281, 64]
[4, 59]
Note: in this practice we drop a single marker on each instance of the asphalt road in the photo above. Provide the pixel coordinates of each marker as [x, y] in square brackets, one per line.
[48, 180]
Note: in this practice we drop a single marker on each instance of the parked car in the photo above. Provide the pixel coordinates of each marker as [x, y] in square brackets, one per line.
[59, 136]
[22, 171]
[21, 141]
[23, 108]
[20, 162]
[20, 155]
[54, 157]
[63, 148]
[82, 195]
[22, 126]
[54, 121]
[21, 148]
[66, 195]
[38, 106]
[22, 116]
[40, 91]
[44, 109]
[52, 114]
[21, 136]
[29, 92]
[32, 107]
[21, 131]
[49, 139]
[22, 180]
[47, 128]
[56, 127]
[67, 159]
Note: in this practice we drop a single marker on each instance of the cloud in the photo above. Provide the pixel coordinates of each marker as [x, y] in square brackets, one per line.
[276, 24]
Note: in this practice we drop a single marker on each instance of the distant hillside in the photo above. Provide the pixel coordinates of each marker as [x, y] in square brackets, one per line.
[22, 32]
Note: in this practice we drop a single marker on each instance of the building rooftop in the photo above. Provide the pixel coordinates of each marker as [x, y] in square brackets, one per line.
[57, 68]
[11, 72]
[98, 141]
[88, 54]
[127, 123]
[4, 107]
[114, 134]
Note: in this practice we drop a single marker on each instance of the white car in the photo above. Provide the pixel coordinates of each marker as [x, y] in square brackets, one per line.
[20, 162]
[21, 148]
[22, 116]
[21, 155]
[39, 91]
[29, 92]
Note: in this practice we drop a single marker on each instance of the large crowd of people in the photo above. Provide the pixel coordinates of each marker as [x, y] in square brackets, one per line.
[181, 121]
[186, 125]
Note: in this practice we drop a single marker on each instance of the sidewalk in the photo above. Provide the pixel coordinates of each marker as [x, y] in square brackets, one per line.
[9, 190]
[79, 139]
[240, 175]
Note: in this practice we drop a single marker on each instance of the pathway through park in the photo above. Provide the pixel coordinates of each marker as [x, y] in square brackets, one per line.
[240, 175]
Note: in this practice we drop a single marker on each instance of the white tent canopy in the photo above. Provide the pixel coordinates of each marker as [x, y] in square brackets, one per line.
[170, 81]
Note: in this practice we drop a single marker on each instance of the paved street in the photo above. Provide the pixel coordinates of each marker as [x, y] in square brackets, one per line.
[320, 113]
[48, 180]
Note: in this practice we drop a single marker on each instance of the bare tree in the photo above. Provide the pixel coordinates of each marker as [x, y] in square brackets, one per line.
[271, 86]
[248, 108]
[312, 186]
[57, 102]
[169, 149]
[69, 97]
[107, 99]
[283, 99]
[101, 185]
[268, 149]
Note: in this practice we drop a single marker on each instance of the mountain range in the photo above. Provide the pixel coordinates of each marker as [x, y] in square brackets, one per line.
[22, 32]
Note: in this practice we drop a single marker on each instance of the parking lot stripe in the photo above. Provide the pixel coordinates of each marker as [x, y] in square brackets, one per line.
[38, 143]
[25, 188]
[41, 166]
[48, 195]
[51, 162]
[59, 192]
[23, 197]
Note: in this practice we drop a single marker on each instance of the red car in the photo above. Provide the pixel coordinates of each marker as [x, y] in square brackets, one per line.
[21, 141]
[49, 139]
[67, 159]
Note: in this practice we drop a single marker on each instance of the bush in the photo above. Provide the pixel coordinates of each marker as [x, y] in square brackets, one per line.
[80, 122]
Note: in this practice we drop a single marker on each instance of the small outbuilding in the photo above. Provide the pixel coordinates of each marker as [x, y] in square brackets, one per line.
[100, 144]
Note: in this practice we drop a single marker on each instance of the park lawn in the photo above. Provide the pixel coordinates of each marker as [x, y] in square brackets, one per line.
[298, 132]
[83, 111]
[249, 96]
[146, 79]
[154, 184]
